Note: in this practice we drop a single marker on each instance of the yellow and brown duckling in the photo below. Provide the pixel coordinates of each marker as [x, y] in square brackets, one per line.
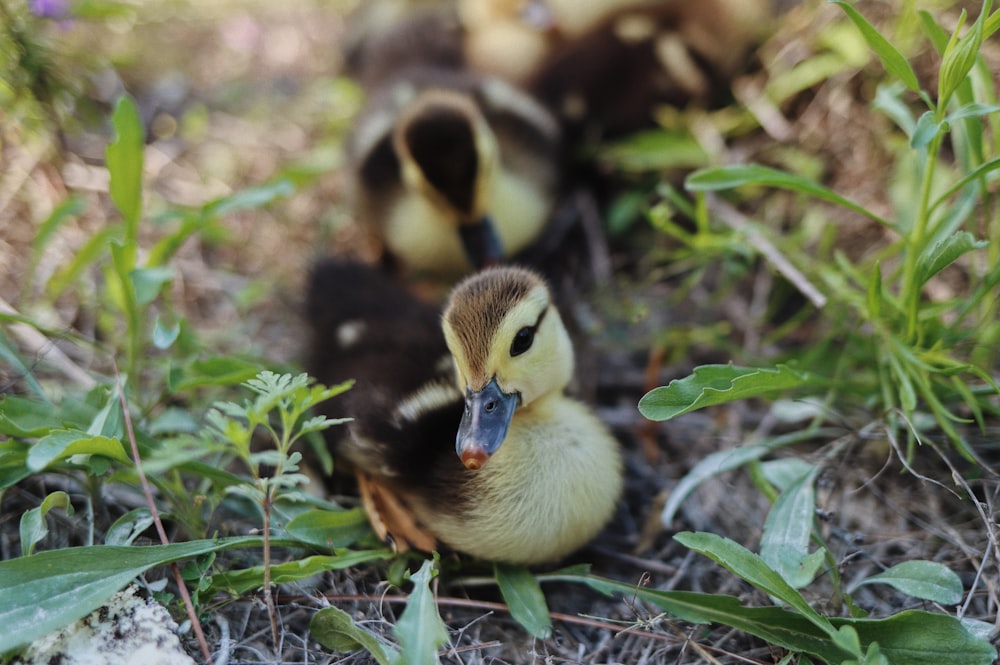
[454, 171]
[463, 436]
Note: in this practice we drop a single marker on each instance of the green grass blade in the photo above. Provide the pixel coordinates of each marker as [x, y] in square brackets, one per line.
[729, 177]
[524, 598]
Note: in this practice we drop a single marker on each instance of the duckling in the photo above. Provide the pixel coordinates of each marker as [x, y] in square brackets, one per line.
[463, 434]
[607, 80]
[454, 170]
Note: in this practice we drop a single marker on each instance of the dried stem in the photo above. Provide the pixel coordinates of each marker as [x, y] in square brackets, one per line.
[147, 490]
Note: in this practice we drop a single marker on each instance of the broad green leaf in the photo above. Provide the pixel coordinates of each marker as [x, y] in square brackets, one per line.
[730, 177]
[46, 591]
[784, 545]
[33, 527]
[128, 527]
[748, 566]
[718, 384]
[63, 443]
[927, 580]
[911, 637]
[13, 463]
[891, 58]
[726, 460]
[124, 156]
[420, 630]
[524, 598]
[148, 282]
[241, 581]
[328, 529]
[942, 254]
[27, 417]
[336, 630]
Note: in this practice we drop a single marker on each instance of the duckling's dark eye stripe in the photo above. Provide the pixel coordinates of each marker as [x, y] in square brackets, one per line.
[525, 337]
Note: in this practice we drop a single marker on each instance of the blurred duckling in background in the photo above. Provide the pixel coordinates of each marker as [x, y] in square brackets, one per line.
[608, 80]
[499, 464]
[453, 170]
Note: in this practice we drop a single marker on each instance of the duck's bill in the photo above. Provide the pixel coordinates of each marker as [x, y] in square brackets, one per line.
[481, 243]
[484, 424]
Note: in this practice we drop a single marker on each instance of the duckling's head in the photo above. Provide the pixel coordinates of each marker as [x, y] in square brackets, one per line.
[448, 153]
[510, 349]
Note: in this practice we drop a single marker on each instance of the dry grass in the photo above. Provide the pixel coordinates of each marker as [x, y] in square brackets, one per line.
[237, 92]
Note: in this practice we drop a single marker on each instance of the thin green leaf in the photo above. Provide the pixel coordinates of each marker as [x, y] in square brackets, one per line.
[748, 566]
[891, 58]
[124, 156]
[329, 529]
[239, 582]
[969, 177]
[959, 56]
[250, 198]
[336, 630]
[63, 443]
[788, 529]
[10, 354]
[942, 254]
[128, 527]
[911, 637]
[46, 591]
[420, 630]
[726, 460]
[927, 580]
[33, 527]
[717, 384]
[729, 177]
[93, 249]
[933, 31]
[524, 598]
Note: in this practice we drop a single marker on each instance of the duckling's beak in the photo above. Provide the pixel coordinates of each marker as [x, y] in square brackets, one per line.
[484, 424]
[481, 242]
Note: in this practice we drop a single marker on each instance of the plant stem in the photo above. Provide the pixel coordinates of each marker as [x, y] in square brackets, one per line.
[272, 612]
[916, 242]
[178, 578]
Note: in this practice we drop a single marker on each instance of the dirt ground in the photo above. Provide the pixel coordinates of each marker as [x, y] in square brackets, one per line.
[237, 93]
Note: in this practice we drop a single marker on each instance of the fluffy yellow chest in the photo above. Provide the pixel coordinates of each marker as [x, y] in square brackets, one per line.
[548, 490]
[426, 236]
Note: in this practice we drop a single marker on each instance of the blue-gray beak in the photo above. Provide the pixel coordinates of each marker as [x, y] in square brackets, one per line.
[481, 243]
[484, 424]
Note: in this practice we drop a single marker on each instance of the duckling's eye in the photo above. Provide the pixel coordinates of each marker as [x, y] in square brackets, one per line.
[522, 340]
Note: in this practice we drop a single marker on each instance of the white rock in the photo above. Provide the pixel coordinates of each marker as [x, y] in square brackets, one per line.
[127, 629]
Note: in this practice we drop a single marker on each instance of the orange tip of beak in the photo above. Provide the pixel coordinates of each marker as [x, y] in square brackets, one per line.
[474, 457]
